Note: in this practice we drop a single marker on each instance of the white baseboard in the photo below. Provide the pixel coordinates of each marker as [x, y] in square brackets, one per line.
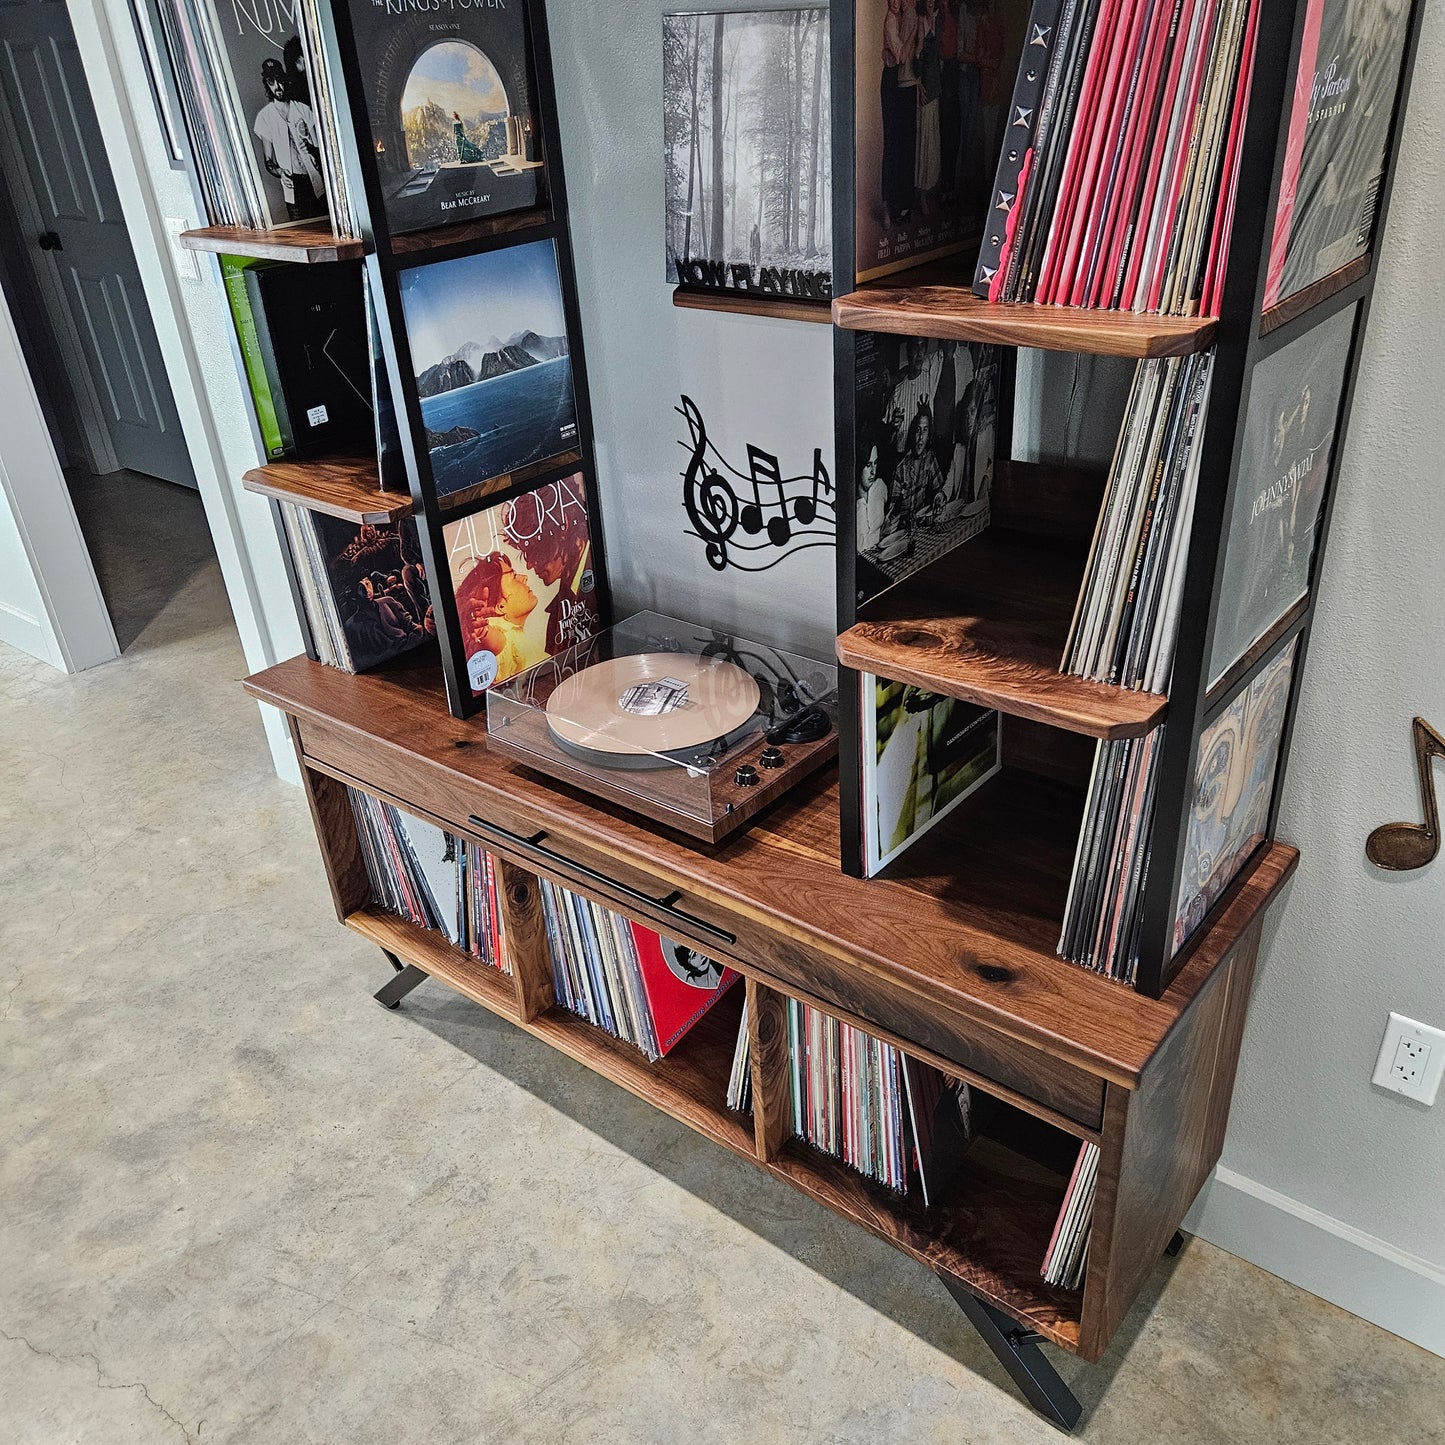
[1400, 1292]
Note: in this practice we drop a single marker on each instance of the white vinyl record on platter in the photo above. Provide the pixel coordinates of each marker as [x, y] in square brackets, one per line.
[634, 708]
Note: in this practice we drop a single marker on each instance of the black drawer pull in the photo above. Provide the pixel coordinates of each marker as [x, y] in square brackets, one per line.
[666, 904]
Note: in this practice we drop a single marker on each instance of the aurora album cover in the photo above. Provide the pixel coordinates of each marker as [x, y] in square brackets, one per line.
[522, 575]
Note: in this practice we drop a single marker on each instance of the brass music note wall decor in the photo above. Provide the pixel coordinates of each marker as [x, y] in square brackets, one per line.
[751, 520]
[1401, 847]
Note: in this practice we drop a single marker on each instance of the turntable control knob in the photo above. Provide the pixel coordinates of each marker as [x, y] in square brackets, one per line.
[746, 776]
[771, 758]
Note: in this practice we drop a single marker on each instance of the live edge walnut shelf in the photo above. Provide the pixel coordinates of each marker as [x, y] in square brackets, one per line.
[953, 964]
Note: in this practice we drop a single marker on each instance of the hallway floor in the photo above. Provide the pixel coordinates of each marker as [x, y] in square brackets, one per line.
[241, 1203]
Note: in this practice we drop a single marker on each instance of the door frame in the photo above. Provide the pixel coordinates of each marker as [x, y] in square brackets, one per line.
[73, 631]
[44, 270]
[116, 69]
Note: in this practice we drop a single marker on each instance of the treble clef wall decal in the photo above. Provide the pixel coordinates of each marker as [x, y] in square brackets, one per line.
[1403, 846]
[784, 514]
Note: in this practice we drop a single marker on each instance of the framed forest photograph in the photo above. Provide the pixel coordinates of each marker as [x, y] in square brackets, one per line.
[747, 176]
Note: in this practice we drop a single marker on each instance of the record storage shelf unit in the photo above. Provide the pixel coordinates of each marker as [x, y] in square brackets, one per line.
[950, 957]
[986, 623]
[954, 972]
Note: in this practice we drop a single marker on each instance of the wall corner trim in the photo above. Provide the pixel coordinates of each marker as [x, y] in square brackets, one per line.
[1357, 1271]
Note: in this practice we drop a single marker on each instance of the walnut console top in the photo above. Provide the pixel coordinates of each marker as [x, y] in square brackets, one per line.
[955, 930]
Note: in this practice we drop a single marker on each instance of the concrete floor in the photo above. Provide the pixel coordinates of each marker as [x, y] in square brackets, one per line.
[241, 1203]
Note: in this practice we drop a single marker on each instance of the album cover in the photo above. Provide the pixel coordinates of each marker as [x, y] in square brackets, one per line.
[933, 80]
[1344, 98]
[312, 331]
[922, 755]
[488, 336]
[455, 131]
[267, 73]
[376, 586]
[745, 97]
[1289, 435]
[680, 983]
[1233, 786]
[927, 422]
[522, 575]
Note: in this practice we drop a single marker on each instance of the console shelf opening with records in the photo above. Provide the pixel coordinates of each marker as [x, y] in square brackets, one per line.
[691, 727]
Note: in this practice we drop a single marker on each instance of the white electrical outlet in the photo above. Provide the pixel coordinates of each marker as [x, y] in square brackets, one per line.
[1412, 1059]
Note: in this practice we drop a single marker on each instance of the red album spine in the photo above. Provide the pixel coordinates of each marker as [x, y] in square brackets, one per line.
[1064, 206]
[1304, 84]
[1137, 143]
[1157, 150]
[1123, 88]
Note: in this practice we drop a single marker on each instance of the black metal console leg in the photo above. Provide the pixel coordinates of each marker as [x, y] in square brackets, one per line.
[1174, 1245]
[407, 978]
[1017, 1348]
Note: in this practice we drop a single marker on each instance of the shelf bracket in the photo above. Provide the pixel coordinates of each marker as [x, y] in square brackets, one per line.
[1017, 1348]
[408, 975]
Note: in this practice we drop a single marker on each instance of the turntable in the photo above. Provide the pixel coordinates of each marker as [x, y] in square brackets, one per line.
[692, 727]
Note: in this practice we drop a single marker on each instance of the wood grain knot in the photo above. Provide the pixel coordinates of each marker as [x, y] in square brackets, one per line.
[994, 973]
[913, 637]
[461, 742]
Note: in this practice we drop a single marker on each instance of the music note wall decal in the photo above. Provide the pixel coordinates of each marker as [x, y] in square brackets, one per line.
[1403, 846]
[786, 514]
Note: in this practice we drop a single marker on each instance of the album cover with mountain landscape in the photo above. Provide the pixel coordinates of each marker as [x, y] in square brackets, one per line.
[488, 338]
[455, 131]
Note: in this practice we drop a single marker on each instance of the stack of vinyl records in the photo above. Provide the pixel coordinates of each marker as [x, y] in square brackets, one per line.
[1068, 1250]
[636, 985]
[258, 113]
[864, 1102]
[1116, 179]
[1106, 892]
[1127, 619]
[363, 588]
[431, 878]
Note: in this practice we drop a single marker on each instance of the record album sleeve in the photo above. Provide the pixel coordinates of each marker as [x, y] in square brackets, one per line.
[927, 432]
[1235, 773]
[1289, 441]
[451, 97]
[311, 323]
[489, 342]
[767, 227]
[1350, 67]
[681, 984]
[377, 586]
[932, 88]
[267, 73]
[522, 574]
[923, 754]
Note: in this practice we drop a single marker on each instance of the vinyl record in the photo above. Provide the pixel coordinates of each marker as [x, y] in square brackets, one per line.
[625, 711]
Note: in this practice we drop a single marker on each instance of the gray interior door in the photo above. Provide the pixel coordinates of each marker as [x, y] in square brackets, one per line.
[79, 247]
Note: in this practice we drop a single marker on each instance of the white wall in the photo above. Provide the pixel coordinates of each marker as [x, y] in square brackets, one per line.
[189, 311]
[761, 381]
[1351, 943]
